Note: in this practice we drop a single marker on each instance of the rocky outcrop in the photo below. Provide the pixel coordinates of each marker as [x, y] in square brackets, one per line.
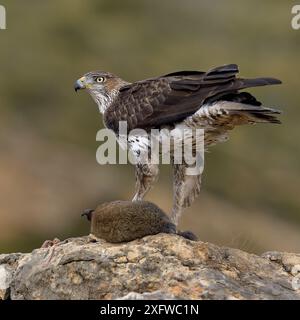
[164, 266]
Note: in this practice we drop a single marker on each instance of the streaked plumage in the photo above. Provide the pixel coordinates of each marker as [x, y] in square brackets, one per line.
[211, 100]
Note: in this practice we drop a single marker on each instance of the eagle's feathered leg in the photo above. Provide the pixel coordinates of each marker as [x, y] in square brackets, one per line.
[145, 176]
[185, 189]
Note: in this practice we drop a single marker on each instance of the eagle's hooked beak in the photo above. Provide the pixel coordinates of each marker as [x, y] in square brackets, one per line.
[80, 84]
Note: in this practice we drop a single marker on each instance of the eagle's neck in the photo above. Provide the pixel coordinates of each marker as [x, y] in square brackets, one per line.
[106, 97]
[103, 99]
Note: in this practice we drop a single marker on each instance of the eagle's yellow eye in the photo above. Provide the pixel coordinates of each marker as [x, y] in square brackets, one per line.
[100, 79]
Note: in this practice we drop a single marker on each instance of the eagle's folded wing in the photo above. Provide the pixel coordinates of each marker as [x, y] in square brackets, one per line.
[173, 97]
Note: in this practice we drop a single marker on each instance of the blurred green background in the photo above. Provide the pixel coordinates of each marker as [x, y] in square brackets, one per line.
[48, 170]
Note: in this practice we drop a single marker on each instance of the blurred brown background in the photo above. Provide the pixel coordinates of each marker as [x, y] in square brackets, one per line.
[48, 171]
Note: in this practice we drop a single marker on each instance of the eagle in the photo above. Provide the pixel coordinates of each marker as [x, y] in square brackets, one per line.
[214, 101]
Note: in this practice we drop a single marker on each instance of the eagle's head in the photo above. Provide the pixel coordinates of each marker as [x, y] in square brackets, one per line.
[102, 86]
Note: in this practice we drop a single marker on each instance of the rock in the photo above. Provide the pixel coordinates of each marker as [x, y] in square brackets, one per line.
[5, 279]
[163, 266]
[8, 264]
[155, 295]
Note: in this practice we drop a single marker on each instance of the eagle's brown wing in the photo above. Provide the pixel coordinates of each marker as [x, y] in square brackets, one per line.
[170, 98]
